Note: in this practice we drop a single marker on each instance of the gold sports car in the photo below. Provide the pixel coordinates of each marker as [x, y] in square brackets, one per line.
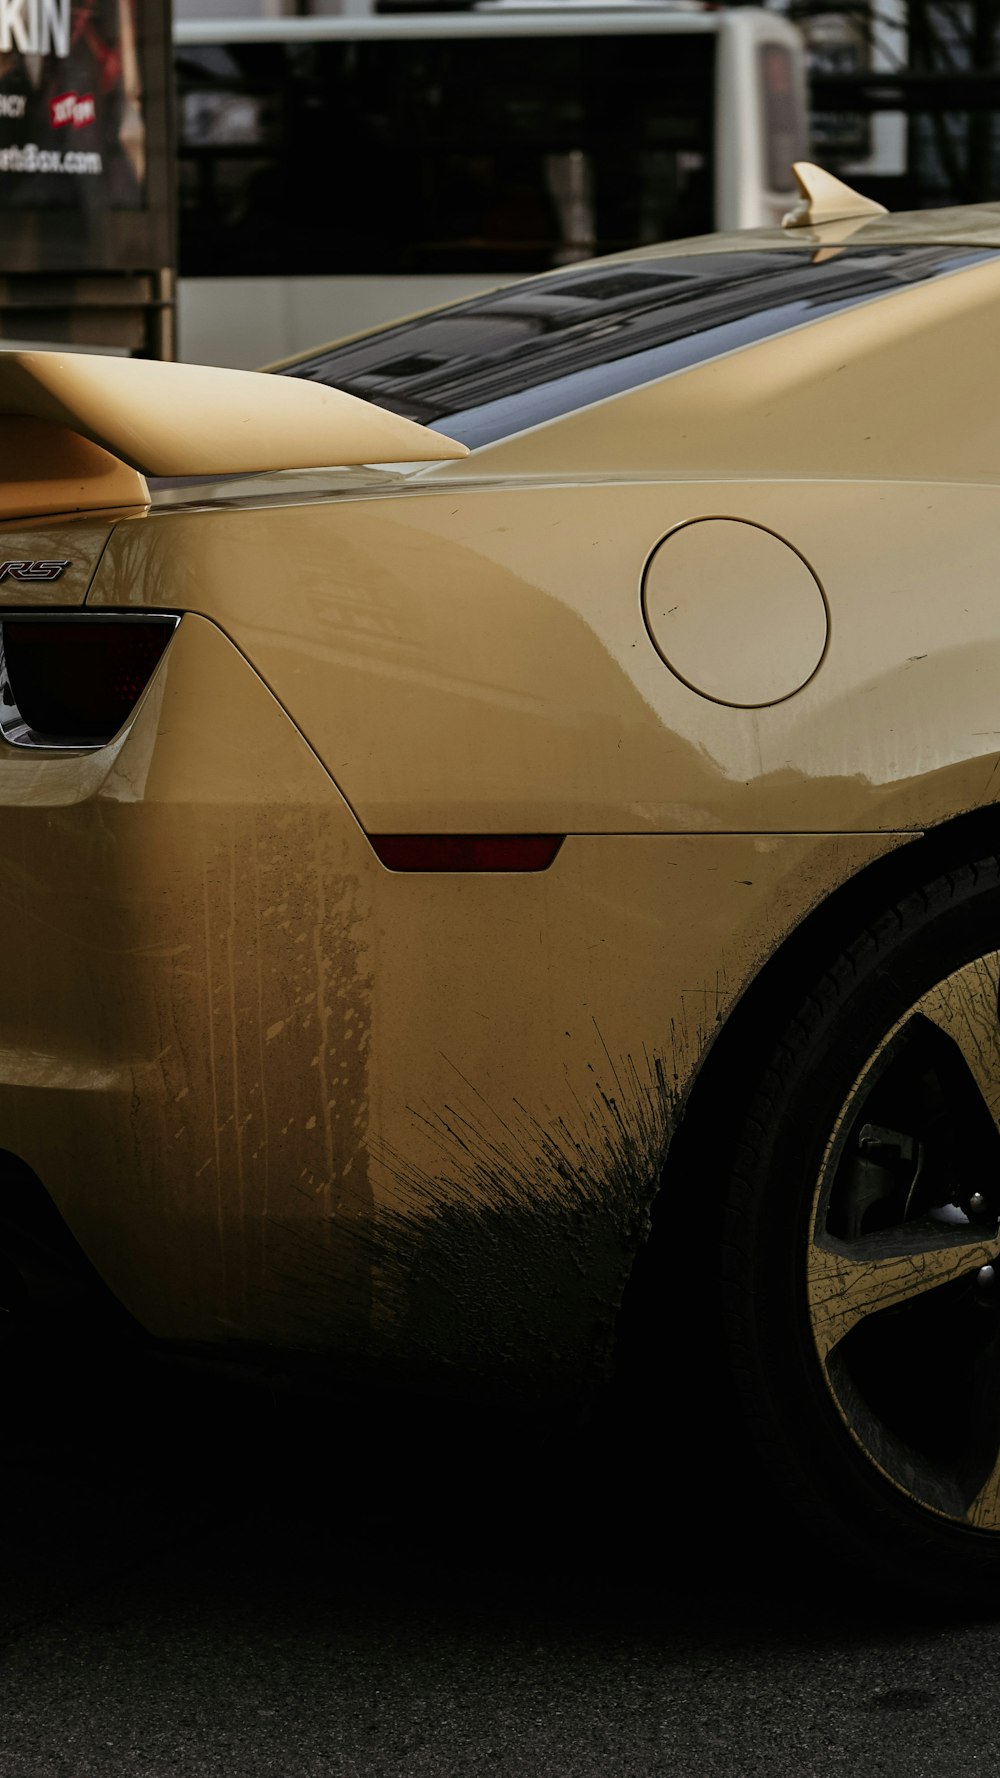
[463, 902]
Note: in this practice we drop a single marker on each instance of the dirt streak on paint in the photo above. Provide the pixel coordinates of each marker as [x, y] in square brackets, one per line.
[513, 1256]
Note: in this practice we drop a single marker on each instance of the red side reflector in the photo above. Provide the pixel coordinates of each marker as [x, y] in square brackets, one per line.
[466, 851]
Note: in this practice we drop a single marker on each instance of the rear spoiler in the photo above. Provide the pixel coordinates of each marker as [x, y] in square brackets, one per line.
[79, 432]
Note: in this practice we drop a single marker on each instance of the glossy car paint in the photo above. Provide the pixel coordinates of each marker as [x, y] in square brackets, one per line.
[283, 1095]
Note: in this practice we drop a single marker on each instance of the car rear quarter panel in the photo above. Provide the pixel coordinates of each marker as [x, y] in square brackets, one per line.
[429, 1113]
[283, 1095]
[477, 659]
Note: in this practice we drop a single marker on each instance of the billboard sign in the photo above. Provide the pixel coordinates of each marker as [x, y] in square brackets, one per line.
[84, 102]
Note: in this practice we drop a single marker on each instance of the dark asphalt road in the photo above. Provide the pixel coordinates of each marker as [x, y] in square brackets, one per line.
[241, 1587]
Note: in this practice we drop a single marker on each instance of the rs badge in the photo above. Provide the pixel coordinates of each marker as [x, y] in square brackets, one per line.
[31, 570]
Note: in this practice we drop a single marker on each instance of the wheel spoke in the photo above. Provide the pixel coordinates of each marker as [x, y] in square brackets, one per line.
[848, 1280]
[984, 1511]
[907, 1212]
[964, 1007]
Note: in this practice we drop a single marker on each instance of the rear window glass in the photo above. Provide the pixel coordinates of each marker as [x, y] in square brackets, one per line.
[502, 362]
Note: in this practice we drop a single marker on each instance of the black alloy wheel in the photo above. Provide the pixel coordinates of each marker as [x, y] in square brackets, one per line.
[862, 1243]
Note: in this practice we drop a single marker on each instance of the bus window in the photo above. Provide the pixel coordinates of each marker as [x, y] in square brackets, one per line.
[784, 122]
[442, 155]
[346, 171]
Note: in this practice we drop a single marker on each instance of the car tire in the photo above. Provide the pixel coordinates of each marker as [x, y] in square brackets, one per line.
[861, 1252]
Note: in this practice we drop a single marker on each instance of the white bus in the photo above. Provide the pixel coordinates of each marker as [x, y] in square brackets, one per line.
[336, 172]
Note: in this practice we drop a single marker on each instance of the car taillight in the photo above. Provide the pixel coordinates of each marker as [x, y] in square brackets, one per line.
[72, 681]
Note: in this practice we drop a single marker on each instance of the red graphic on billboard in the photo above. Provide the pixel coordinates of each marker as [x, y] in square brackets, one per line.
[77, 109]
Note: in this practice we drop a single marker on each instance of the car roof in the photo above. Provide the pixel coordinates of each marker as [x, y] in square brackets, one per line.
[966, 225]
[901, 363]
[905, 386]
